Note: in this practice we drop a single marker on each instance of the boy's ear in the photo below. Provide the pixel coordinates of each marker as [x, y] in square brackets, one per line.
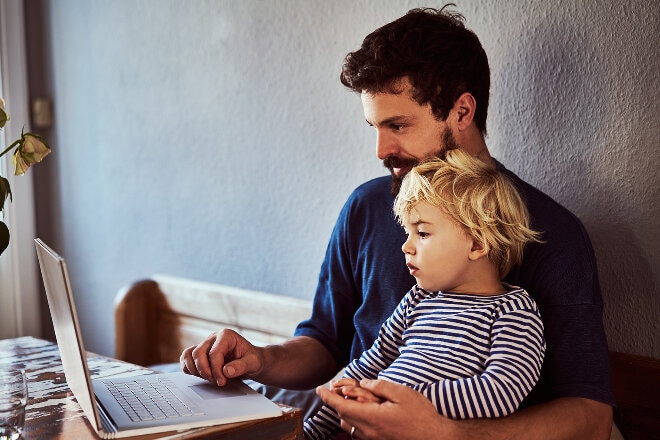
[478, 250]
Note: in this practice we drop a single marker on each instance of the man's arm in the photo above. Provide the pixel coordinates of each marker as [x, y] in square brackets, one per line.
[560, 419]
[299, 363]
[227, 355]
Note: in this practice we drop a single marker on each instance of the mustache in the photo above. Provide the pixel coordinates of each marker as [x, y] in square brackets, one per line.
[392, 162]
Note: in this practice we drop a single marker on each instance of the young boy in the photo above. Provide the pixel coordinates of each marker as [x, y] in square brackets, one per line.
[470, 344]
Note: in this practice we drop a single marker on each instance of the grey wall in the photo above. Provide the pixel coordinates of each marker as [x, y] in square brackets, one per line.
[213, 140]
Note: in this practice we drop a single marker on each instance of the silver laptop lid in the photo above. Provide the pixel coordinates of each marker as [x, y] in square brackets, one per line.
[67, 329]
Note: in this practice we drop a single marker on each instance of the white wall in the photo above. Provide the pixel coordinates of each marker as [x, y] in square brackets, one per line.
[213, 140]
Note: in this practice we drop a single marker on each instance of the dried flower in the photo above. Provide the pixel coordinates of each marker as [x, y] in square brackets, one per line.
[30, 149]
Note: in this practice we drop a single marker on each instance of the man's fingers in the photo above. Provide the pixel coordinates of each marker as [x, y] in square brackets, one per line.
[202, 361]
[350, 411]
[221, 356]
[183, 359]
[235, 368]
[334, 400]
[188, 362]
[329, 397]
[247, 365]
[226, 356]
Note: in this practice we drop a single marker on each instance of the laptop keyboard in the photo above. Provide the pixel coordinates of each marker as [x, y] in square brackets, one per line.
[142, 399]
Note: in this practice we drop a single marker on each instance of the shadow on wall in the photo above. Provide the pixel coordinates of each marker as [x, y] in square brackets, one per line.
[558, 126]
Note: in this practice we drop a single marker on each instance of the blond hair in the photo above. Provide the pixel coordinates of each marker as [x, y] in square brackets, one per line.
[478, 197]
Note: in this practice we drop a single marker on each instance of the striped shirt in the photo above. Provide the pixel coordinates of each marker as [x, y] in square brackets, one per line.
[470, 355]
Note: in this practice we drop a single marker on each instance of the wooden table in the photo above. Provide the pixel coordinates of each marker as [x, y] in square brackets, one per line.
[53, 413]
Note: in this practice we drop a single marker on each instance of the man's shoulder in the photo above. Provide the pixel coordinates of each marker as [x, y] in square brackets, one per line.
[545, 212]
[562, 270]
[380, 187]
[368, 208]
[372, 194]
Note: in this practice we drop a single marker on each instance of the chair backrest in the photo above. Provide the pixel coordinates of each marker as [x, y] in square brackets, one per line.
[156, 318]
[636, 386]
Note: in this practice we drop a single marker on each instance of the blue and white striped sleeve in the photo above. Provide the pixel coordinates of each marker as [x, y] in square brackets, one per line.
[385, 348]
[382, 353]
[511, 370]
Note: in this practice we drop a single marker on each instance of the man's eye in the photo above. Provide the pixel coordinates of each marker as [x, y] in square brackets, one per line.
[396, 127]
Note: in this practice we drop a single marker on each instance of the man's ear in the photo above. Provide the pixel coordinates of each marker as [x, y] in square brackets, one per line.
[478, 250]
[464, 107]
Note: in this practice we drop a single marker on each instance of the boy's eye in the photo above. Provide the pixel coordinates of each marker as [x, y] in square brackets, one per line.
[422, 234]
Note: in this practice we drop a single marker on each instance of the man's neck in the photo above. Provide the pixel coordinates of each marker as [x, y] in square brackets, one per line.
[473, 142]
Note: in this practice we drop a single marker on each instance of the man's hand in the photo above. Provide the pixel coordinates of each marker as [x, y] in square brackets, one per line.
[384, 420]
[221, 356]
[565, 418]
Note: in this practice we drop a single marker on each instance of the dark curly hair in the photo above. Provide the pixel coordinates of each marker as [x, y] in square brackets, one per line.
[433, 49]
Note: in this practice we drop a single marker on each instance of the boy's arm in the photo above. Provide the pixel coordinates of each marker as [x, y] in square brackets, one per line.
[385, 348]
[512, 368]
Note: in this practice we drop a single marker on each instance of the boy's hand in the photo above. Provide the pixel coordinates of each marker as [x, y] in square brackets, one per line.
[351, 389]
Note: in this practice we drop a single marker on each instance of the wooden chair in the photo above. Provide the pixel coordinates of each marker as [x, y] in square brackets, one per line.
[636, 385]
[156, 318]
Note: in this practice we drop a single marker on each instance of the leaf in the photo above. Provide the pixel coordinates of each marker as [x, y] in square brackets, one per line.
[5, 191]
[4, 237]
[4, 116]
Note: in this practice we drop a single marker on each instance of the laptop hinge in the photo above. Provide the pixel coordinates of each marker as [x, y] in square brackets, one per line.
[107, 424]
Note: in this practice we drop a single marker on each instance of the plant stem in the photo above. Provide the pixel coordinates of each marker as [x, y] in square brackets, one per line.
[10, 147]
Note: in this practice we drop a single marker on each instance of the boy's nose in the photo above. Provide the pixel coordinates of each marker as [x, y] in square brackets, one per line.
[407, 248]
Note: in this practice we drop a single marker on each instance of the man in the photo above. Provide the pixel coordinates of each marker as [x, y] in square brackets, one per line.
[424, 84]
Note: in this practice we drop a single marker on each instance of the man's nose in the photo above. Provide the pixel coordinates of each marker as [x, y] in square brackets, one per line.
[386, 146]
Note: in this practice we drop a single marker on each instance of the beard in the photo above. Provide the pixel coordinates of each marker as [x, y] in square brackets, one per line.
[447, 142]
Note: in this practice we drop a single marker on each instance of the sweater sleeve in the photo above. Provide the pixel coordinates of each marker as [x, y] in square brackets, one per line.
[385, 348]
[511, 371]
[325, 424]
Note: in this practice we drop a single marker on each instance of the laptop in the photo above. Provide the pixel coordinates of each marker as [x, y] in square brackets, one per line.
[128, 406]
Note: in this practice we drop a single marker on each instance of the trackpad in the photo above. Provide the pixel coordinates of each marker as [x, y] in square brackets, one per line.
[207, 391]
